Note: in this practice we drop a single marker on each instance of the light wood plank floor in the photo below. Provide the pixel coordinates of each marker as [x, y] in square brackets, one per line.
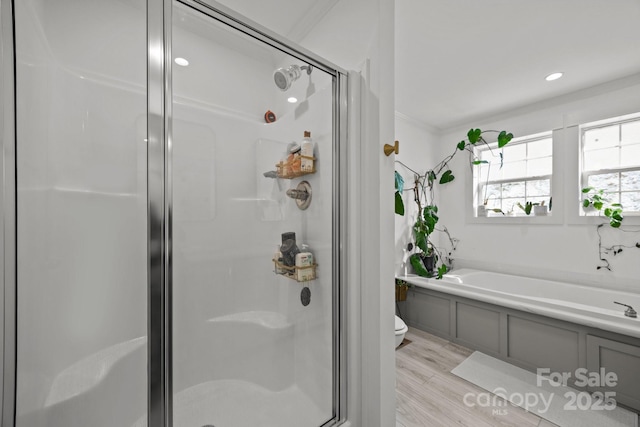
[428, 394]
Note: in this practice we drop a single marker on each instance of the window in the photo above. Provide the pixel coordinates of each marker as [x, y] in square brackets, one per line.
[525, 175]
[611, 160]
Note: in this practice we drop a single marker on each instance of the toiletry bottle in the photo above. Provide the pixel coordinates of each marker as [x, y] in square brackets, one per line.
[295, 159]
[278, 257]
[307, 153]
[304, 264]
[289, 249]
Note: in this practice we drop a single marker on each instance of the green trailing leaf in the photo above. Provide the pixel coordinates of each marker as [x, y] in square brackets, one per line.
[421, 241]
[431, 177]
[597, 199]
[479, 162]
[447, 177]
[399, 204]
[496, 210]
[430, 218]
[399, 182]
[430, 222]
[474, 135]
[461, 145]
[504, 138]
[429, 209]
[442, 270]
[418, 266]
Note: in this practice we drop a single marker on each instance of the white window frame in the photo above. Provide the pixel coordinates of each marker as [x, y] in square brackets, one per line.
[584, 175]
[477, 184]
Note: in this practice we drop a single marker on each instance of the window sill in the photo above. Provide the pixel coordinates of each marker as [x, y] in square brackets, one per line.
[517, 219]
[576, 219]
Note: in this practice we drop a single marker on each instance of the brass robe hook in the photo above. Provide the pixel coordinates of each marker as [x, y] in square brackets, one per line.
[388, 149]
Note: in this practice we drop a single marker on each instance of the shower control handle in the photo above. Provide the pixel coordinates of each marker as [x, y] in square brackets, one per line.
[301, 194]
[629, 312]
[297, 194]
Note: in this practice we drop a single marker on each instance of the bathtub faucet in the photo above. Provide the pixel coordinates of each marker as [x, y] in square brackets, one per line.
[629, 312]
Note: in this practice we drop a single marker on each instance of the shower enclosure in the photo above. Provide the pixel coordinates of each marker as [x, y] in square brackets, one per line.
[159, 158]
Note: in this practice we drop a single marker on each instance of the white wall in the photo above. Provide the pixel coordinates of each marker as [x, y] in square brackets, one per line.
[565, 246]
[417, 147]
[359, 35]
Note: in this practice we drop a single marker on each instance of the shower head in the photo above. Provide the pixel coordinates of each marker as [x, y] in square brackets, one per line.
[284, 77]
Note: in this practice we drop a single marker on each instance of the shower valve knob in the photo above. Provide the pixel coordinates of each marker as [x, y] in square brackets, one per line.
[297, 194]
[301, 194]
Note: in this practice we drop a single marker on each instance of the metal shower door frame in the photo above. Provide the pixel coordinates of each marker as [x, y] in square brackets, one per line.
[8, 249]
[160, 204]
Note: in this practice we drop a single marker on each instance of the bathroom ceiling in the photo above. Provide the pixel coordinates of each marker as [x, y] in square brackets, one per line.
[290, 18]
[459, 61]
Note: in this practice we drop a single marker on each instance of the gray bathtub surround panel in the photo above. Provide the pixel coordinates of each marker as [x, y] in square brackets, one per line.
[520, 387]
[621, 358]
[529, 340]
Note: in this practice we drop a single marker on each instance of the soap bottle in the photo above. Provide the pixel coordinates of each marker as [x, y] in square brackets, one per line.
[304, 264]
[307, 153]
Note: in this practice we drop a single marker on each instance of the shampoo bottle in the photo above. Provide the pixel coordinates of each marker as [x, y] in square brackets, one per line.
[307, 152]
[304, 264]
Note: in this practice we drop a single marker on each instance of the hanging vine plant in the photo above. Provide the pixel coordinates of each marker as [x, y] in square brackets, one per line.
[595, 199]
[427, 260]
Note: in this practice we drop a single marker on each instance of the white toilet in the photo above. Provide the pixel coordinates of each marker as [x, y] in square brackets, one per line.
[401, 329]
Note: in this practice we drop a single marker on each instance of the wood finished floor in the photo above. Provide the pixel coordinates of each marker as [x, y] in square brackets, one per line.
[428, 394]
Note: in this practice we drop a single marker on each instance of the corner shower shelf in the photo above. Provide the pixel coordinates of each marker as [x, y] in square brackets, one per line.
[283, 169]
[292, 272]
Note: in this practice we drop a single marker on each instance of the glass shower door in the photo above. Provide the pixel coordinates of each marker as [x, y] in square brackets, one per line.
[253, 255]
[81, 189]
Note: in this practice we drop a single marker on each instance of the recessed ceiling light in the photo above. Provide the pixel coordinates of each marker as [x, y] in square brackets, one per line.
[292, 99]
[553, 76]
[182, 62]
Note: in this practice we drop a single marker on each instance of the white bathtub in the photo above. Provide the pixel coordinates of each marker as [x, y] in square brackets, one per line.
[586, 305]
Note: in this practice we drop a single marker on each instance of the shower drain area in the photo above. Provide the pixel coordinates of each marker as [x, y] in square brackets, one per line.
[237, 403]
